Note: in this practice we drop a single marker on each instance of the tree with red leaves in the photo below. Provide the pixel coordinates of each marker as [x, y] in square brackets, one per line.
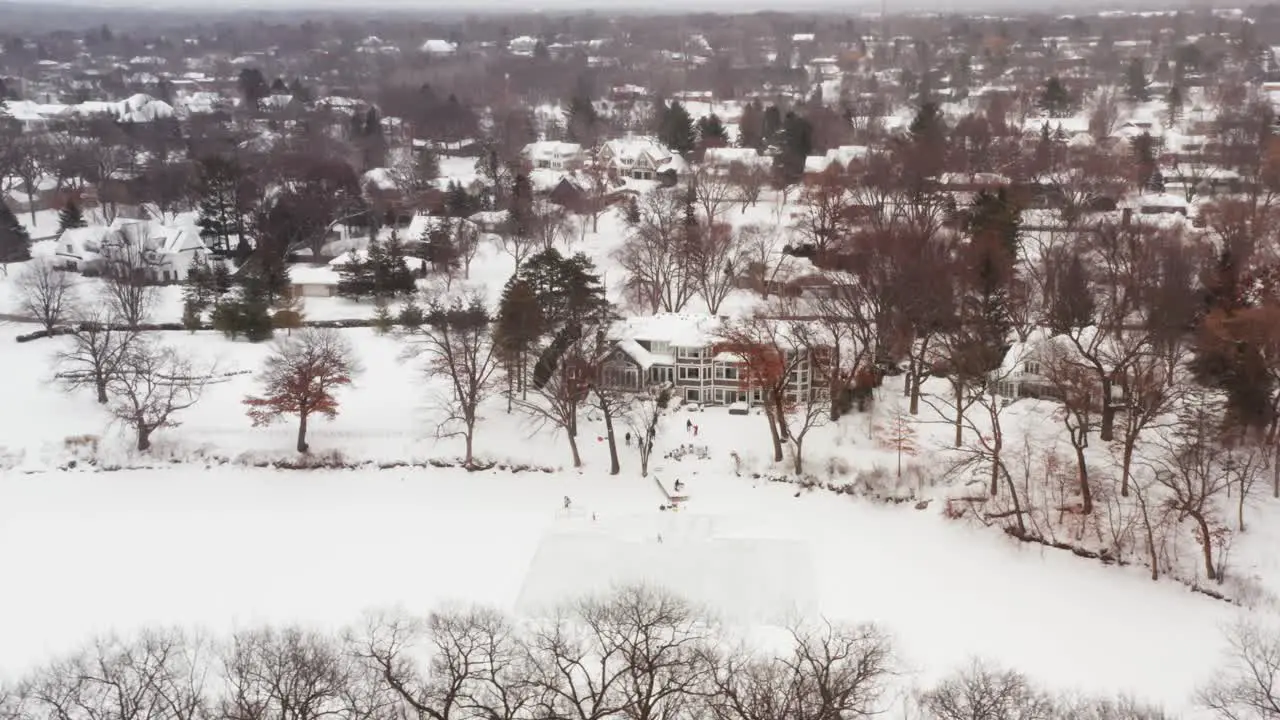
[769, 356]
[300, 377]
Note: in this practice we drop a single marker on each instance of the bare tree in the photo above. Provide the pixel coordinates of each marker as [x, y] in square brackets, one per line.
[840, 671]
[642, 419]
[748, 182]
[824, 209]
[1190, 468]
[288, 674]
[1080, 395]
[1248, 687]
[474, 667]
[98, 349]
[637, 652]
[459, 348]
[654, 255]
[45, 293]
[556, 402]
[129, 290]
[157, 674]
[713, 191]
[150, 384]
[982, 692]
[718, 259]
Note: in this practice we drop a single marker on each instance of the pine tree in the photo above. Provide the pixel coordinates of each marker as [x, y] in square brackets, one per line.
[676, 128]
[1173, 106]
[70, 216]
[15, 243]
[199, 291]
[517, 329]
[1055, 100]
[355, 277]
[1137, 81]
[383, 322]
[751, 126]
[711, 132]
[397, 277]
[797, 143]
[411, 315]
[583, 121]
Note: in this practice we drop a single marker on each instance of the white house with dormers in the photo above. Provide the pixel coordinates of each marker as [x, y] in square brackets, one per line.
[553, 155]
[641, 158]
[685, 352]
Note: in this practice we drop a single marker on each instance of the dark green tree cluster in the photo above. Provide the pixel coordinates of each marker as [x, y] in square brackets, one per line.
[570, 298]
[70, 216]
[676, 128]
[1055, 101]
[15, 242]
[382, 272]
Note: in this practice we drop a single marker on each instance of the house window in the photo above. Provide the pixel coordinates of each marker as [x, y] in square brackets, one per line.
[685, 353]
[726, 372]
[718, 394]
[690, 373]
[692, 395]
[662, 374]
[1031, 367]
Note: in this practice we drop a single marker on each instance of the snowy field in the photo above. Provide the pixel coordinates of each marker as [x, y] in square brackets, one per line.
[224, 548]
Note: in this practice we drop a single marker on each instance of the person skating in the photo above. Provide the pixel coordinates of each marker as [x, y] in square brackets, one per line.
[567, 502]
[628, 439]
[688, 425]
[679, 486]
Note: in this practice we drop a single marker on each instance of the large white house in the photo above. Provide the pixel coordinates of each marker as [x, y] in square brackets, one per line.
[157, 252]
[686, 352]
[552, 155]
[641, 158]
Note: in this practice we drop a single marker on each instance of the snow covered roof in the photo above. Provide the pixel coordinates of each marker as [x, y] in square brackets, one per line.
[380, 178]
[675, 329]
[725, 156]
[436, 46]
[643, 357]
[552, 150]
[312, 275]
[421, 224]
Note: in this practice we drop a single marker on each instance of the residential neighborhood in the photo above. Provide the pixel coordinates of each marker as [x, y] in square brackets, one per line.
[698, 363]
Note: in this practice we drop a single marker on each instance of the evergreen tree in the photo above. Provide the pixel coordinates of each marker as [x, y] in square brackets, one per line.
[770, 125]
[426, 167]
[440, 249]
[751, 126]
[797, 144]
[677, 130]
[411, 315]
[15, 243]
[199, 291]
[458, 202]
[1173, 106]
[711, 132]
[355, 277]
[70, 216]
[1055, 100]
[219, 218]
[1071, 306]
[253, 87]
[1144, 158]
[519, 326]
[583, 121]
[397, 278]
[373, 143]
[994, 225]
[1137, 81]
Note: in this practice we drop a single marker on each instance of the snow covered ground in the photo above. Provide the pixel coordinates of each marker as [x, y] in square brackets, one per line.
[195, 534]
[224, 548]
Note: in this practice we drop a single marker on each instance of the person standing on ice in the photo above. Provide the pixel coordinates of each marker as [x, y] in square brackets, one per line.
[628, 438]
[567, 502]
[688, 425]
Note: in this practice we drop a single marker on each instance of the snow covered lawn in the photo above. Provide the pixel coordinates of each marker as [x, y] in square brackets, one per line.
[226, 547]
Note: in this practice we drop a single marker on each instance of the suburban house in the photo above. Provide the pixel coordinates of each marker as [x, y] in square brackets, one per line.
[725, 160]
[160, 253]
[552, 155]
[641, 158]
[686, 352]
